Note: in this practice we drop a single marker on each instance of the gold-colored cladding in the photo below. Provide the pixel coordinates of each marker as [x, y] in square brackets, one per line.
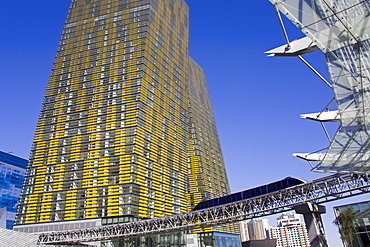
[113, 136]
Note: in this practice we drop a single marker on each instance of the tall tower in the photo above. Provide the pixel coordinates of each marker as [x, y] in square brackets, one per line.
[126, 126]
[207, 175]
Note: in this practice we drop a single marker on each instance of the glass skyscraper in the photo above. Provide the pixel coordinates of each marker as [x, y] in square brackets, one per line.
[12, 172]
[126, 126]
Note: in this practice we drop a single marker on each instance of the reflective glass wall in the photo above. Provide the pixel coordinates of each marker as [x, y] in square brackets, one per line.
[362, 212]
[12, 172]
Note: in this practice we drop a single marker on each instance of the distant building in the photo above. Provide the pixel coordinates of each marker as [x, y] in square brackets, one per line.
[362, 212]
[258, 229]
[288, 219]
[243, 231]
[12, 172]
[290, 232]
[255, 229]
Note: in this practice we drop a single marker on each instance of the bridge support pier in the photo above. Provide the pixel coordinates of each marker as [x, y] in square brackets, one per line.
[312, 217]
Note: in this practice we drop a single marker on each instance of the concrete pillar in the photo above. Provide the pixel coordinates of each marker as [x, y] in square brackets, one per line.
[312, 217]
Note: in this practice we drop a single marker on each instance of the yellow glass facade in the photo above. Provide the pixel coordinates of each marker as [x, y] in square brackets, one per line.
[126, 126]
[207, 175]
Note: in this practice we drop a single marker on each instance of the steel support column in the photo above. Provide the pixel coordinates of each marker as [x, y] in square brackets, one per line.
[312, 217]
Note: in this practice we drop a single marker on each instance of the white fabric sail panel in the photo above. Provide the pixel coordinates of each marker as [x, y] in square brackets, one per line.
[310, 156]
[296, 47]
[341, 29]
[326, 116]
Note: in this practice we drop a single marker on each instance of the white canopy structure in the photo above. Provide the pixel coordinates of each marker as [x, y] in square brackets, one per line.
[296, 47]
[326, 116]
[341, 29]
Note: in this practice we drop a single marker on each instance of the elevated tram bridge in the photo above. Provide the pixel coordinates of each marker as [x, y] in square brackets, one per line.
[318, 191]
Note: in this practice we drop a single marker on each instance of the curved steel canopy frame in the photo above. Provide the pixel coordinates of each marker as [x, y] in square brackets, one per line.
[341, 29]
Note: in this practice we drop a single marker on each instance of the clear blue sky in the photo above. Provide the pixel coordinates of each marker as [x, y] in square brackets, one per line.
[256, 100]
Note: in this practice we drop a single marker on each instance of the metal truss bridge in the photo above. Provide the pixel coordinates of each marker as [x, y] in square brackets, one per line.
[322, 190]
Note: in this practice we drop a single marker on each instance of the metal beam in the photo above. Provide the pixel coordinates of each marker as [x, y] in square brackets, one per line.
[322, 190]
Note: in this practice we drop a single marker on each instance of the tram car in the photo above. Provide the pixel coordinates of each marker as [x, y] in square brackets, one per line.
[261, 190]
